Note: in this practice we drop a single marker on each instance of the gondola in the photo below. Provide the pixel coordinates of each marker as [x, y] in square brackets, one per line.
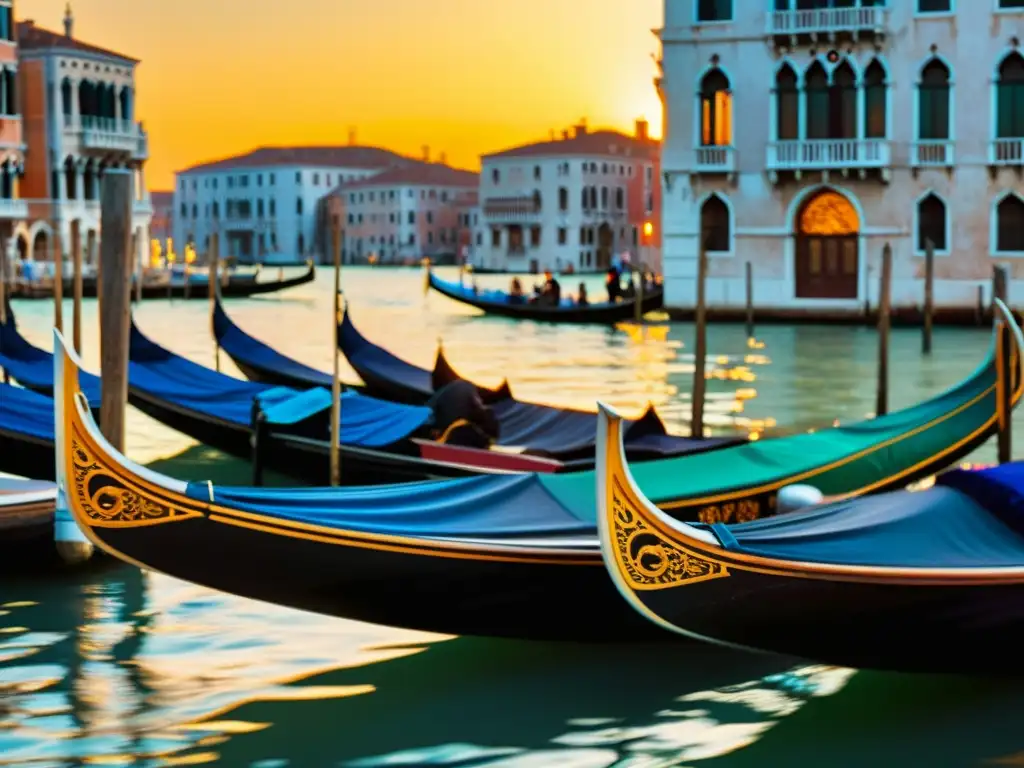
[564, 434]
[26, 514]
[923, 581]
[512, 556]
[498, 303]
[26, 433]
[196, 287]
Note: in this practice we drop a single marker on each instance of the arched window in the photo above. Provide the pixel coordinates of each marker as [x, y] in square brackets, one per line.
[874, 101]
[715, 110]
[620, 198]
[65, 97]
[126, 103]
[536, 200]
[604, 198]
[10, 105]
[787, 104]
[933, 102]
[817, 101]
[85, 99]
[1010, 225]
[1010, 102]
[71, 179]
[931, 223]
[714, 225]
[593, 198]
[563, 199]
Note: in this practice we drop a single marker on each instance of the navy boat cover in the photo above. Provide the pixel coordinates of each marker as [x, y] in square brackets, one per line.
[157, 372]
[363, 354]
[476, 507]
[243, 347]
[33, 368]
[23, 412]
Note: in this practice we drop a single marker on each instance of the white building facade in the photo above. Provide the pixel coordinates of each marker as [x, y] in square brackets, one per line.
[858, 123]
[263, 206]
[567, 204]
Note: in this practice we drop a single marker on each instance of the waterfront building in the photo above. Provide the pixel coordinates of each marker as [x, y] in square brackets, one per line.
[804, 135]
[78, 105]
[263, 205]
[160, 228]
[405, 214]
[13, 209]
[570, 203]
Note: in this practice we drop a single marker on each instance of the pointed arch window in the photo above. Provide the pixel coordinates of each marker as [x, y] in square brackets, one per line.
[787, 105]
[714, 225]
[715, 110]
[1010, 99]
[1010, 225]
[931, 223]
[933, 102]
[874, 101]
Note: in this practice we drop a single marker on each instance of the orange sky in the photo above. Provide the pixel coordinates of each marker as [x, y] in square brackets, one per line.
[219, 77]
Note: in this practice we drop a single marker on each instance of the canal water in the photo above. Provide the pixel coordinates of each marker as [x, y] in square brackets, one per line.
[112, 666]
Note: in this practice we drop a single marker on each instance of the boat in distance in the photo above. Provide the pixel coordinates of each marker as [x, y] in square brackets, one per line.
[508, 556]
[499, 303]
[919, 581]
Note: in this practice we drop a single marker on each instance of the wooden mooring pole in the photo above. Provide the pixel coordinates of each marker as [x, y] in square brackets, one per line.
[1005, 383]
[58, 280]
[929, 296]
[76, 285]
[136, 267]
[700, 346]
[115, 272]
[884, 298]
[336, 373]
[1000, 282]
[750, 299]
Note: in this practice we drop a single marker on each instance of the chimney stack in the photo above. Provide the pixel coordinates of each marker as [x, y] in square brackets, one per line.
[443, 158]
[581, 127]
[565, 135]
[641, 129]
[426, 153]
[69, 21]
[351, 137]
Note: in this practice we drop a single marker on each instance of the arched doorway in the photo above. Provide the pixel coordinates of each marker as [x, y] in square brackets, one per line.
[41, 247]
[605, 243]
[827, 238]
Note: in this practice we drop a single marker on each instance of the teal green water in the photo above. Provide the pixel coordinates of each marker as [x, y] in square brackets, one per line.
[116, 667]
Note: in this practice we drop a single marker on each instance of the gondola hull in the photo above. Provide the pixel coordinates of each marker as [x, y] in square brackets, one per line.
[26, 455]
[602, 314]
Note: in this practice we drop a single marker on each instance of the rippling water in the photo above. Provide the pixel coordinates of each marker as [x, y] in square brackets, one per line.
[111, 666]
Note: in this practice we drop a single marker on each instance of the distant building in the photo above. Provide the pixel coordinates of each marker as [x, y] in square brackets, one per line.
[79, 121]
[161, 227]
[804, 135]
[404, 214]
[13, 209]
[263, 205]
[570, 203]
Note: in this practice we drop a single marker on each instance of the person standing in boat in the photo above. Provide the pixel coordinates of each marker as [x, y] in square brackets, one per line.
[515, 293]
[612, 285]
[552, 291]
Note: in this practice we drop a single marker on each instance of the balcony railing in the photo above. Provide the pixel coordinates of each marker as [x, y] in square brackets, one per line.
[715, 159]
[12, 208]
[110, 134]
[827, 21]
[932, 153]
[1006, 152]
[828, 154]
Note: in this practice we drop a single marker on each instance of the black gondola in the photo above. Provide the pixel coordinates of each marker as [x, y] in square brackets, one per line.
[26, 433]
[197, 287]
[929, 581]
[514, 556]
[501, 304]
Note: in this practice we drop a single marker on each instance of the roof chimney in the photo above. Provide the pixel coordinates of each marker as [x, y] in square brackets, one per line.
[351, 137]
[69, 21]
[443, 158]
[581, 127]
[426, 153]
[565, 135]
[641, 129]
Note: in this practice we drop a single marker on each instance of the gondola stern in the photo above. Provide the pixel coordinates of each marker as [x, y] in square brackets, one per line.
[642, 548]
[73, 543]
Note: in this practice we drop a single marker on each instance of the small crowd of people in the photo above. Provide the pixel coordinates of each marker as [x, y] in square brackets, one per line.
[550, 292]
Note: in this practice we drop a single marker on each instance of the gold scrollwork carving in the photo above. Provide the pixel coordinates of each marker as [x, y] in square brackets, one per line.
[108, 502]
[732, 512]
[650, 560]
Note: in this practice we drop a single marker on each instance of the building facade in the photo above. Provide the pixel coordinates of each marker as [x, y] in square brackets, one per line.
[569, 204]
[78, 115]
[263, 206]
[13, 210]
[859, 124]
[405, 214]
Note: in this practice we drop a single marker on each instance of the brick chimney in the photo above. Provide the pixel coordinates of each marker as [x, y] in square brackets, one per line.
[641, 130]
[580, 129]
[565, 135]
[443, 158]
[426, 153]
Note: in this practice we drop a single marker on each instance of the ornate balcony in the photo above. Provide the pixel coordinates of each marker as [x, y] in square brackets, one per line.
[13, 208]
[828, 155]
[107, 134]
[711, 160]
[932, 153]
[828, 23]
[1006, 153]
[512, 210]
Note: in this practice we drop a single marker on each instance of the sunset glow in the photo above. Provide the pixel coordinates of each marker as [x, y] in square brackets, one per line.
[461, 76]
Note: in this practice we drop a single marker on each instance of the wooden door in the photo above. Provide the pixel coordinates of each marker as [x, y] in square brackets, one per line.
[826, 267]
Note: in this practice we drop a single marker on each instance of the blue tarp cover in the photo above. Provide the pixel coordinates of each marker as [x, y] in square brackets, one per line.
[33, 368]
[938, 528]
[284, 407]
[363, 354]
[244, 348]
[365, 421]
[494, 506]
[24, 412]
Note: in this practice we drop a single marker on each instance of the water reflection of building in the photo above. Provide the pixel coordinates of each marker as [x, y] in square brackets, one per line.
[570, 203]
[79, 121]
[850, 133]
